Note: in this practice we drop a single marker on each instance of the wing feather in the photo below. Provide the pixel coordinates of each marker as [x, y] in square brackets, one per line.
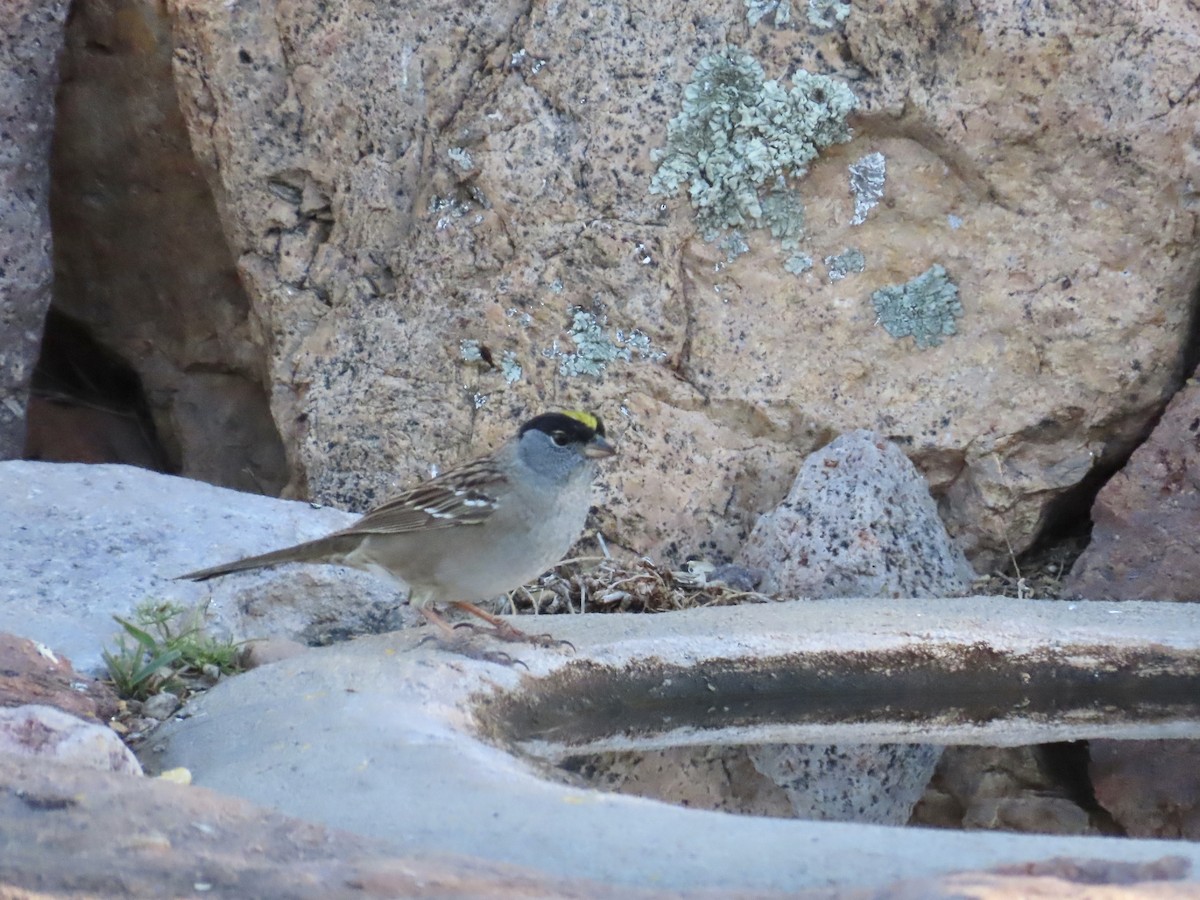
[462, 496]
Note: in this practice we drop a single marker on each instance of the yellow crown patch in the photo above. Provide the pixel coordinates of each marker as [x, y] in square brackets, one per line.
[584, 417]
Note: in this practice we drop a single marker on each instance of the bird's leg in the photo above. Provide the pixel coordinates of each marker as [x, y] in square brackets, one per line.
[450, 639]
[435, 618]
[502, 631]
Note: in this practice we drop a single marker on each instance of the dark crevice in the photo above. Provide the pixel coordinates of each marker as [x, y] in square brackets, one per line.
[87, 404]
[1068, 518]
[1068, 763]
[1191, 348]
[153, 355]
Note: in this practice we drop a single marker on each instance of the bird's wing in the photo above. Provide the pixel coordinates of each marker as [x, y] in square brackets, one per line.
[462, 496]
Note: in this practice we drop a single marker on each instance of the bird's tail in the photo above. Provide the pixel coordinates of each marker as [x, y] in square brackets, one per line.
[330, 549]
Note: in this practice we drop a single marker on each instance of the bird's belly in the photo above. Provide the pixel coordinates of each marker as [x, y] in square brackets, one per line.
[494, 570]
[486, 571]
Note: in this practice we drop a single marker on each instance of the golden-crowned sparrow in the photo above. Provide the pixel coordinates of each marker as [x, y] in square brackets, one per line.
[475, 531]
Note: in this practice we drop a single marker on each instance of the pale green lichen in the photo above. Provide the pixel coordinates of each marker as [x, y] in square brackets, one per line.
[638, 342]
[848, 262]
[866, 184]
[449, 210]
[924, 307]
[783, 211]
[470, 351]
[738, 131]
[595, 348]
[757, 10]
[461, 157]
[827, 14]
[798, 263]
[524, 319]
[510, 367]
[734, 246]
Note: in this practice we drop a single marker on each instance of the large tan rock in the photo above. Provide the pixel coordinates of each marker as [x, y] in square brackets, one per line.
[30, 38]
[394, 180]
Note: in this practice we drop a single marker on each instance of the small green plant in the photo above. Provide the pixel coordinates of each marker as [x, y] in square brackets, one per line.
[164, 647]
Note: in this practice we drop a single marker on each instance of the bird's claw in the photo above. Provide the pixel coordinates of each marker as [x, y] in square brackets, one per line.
[471, 651]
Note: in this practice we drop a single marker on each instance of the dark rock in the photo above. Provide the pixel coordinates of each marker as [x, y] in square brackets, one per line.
[1151, 788]
[1146, 535]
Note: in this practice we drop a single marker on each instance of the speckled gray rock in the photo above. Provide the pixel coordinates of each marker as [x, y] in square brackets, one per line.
[30, 38]
[83, 543]
[858, 522]
[43, 731]
[850, 782]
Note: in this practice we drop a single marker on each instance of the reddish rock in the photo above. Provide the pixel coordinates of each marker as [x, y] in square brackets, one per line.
[142, 266]
[31, 673]
[1152, 788]
[70, 832]
[1146, 540]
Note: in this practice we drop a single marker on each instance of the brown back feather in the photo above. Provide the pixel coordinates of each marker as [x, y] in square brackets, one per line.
[462, 496]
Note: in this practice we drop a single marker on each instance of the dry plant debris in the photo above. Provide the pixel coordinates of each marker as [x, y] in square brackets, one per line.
[603, 584]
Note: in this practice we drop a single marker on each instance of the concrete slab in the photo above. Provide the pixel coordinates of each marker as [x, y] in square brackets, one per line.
[407, 743]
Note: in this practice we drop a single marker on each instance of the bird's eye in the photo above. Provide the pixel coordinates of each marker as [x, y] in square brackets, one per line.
[559, 438]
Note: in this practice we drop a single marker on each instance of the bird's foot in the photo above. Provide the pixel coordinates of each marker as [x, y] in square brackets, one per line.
[505, 632]
[463, 646]
[502, 631]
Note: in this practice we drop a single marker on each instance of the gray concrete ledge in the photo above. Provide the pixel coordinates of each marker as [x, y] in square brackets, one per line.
[427, 750]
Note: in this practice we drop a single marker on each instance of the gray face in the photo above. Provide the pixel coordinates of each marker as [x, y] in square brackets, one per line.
[544, 457]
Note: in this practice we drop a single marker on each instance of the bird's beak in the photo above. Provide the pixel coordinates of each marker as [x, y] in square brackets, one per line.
[598, 448]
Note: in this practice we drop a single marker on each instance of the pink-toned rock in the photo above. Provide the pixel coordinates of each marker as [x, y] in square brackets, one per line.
[43, 732]
[33, 673]
[1146, 520]
[1151, 788]
[395, 180]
